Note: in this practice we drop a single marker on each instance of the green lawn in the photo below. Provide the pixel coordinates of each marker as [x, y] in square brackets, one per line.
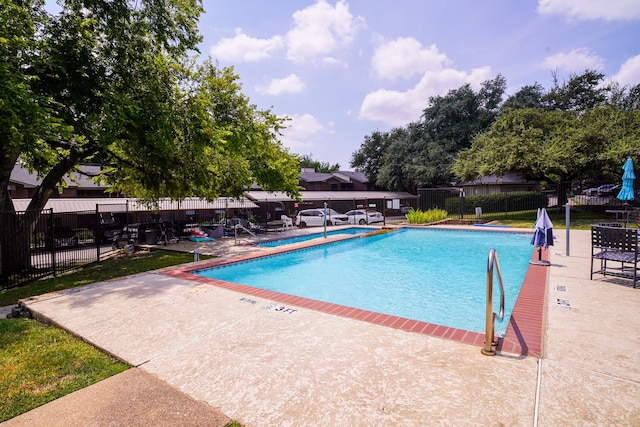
[40, 363]
[579, 220]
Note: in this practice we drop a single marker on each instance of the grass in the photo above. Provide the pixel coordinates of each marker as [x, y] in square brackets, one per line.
[120, 266]
[526, 219]
[40, 363]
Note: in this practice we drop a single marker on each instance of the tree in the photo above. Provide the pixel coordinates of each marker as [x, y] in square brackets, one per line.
[318, 166]
[626, 98]
[455, 119]
[115, 81]
[370, 157]
[581, 92]
[554, 146]
[529, 96]
[412, 160]
[421, 154]
[26, 117]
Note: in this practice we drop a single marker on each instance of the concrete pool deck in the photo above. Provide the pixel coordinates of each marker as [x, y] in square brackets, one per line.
[263, 365]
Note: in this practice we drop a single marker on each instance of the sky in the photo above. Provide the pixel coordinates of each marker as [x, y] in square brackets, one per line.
[341, 70]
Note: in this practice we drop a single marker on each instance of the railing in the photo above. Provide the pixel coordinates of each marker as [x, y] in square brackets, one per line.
[35, 245]
[246, 230]
[489, 341]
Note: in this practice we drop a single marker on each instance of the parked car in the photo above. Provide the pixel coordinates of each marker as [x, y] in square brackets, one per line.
[359, 216]
[603, 190]
[63, 237]
[315, 217]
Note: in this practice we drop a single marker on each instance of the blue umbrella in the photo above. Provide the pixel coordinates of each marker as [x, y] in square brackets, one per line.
[626, 192]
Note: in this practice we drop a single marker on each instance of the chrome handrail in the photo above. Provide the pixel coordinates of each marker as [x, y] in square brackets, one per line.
[489, 341]
[235, 233]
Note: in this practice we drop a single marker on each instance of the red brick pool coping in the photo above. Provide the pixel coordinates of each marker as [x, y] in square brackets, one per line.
[523, 335]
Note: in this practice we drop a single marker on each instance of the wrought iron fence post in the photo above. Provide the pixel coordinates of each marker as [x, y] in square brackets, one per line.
[52, 243]
[96, 232]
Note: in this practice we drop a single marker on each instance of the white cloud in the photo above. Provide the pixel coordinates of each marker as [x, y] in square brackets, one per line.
[321, 29]
[298, 134]
[405, 57]
[243, 48]
[575, 61]
[397, 108]
[629, 73]
[592, 9]
[289, 84]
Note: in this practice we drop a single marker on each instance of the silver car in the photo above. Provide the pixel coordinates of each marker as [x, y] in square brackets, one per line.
[315, 217]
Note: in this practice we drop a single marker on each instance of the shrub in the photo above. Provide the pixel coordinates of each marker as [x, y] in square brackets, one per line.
[419, 217]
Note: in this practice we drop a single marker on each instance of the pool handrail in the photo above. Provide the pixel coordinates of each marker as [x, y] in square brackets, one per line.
[489, 341]
[246, 230]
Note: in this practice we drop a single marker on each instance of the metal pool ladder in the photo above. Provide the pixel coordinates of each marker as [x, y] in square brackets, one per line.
[489, 339]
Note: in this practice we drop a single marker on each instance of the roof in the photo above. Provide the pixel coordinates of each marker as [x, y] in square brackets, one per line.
[116, 204]
[344, 176]
[21, 175]
[265, 196]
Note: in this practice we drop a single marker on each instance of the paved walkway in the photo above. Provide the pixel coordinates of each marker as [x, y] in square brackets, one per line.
[265, 367]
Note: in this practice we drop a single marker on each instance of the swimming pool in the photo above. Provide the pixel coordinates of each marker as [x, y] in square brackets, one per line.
[434, 276]
[297, 239]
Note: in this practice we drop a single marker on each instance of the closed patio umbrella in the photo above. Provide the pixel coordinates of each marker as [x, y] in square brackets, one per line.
[626, 192]
[543, 235]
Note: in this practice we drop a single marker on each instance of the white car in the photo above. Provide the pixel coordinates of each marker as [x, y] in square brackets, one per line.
[315, 217]
[362, 217]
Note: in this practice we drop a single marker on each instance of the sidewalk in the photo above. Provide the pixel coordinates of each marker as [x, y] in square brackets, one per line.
[131, 398]
[264, 367]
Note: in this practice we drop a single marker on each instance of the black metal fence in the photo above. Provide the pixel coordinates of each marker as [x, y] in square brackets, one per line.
[48, 243]
[35, 245]
[498, 204]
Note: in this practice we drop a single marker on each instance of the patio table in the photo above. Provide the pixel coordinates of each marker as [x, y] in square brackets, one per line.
[622, 215]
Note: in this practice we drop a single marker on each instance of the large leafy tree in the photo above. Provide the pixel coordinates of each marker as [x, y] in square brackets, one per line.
[579, 129]
[554, 146]
[117, 81]
[581, 92]
[422, 153]
[414, 159]
[369, 159]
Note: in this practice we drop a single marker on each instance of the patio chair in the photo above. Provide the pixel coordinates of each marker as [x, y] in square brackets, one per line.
[287, 223]
[615, 245]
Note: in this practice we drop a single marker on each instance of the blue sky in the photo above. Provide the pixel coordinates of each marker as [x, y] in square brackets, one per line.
[343, 69]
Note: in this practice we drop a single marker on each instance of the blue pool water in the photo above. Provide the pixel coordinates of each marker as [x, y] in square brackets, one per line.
[289, 240]
[435, 276]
